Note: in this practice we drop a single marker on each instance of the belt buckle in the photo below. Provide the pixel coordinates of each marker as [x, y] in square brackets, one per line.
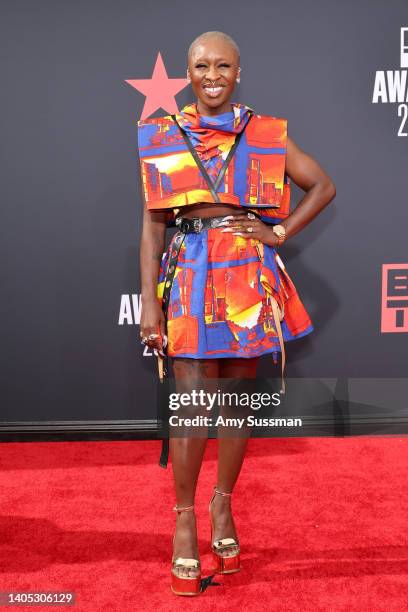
[197, 225]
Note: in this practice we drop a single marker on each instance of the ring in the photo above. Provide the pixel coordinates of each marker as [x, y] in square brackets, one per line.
[251, 215]
[250, 229]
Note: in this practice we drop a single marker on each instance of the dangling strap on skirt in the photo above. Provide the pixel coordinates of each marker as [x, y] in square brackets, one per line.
[277, 318]
[164, 361]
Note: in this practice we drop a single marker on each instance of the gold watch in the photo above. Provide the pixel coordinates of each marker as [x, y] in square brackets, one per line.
[280, 232]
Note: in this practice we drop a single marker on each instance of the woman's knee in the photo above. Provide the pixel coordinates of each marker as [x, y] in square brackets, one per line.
[238, 367]
[195, 369]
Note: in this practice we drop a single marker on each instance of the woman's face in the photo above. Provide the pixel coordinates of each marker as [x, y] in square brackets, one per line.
[213, 68]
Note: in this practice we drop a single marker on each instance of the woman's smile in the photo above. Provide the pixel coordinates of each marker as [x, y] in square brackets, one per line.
[213, 92]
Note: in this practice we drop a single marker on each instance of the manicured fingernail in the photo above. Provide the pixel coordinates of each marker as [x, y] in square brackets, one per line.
[164, 340]
[228, 217]
[237, 234]
[227, 229]
[161, 353]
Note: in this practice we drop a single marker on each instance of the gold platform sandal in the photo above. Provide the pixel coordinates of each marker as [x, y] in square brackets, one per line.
[223, 564]
[185, 585]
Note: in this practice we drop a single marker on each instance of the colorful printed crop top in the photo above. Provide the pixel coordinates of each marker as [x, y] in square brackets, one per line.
[255, 177]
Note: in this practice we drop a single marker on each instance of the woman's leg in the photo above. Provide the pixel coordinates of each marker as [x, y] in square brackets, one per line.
[186, 458]
[231, 453]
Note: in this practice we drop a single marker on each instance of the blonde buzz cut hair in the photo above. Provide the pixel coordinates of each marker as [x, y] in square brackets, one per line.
[214, 34]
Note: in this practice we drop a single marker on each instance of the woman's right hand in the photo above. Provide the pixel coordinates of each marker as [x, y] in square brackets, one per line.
[152, 325]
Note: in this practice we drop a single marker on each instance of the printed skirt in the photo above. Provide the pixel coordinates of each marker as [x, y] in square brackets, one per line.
[231, 297]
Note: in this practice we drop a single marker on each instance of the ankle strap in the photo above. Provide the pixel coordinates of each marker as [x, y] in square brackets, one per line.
[183, 509]
[221, 492]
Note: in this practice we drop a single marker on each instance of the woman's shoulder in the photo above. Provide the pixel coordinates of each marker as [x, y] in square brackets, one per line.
[267, 129]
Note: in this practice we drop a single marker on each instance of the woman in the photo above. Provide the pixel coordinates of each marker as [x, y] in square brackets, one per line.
[213, 323]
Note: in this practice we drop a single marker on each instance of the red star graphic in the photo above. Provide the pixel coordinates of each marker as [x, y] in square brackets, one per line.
[159, 90]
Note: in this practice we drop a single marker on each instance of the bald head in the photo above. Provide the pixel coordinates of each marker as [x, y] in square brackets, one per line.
[207, 36]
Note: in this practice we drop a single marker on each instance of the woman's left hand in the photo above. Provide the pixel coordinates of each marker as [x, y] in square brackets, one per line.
[249, 225]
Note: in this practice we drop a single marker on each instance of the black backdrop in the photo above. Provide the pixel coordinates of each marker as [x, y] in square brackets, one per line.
[71, 200]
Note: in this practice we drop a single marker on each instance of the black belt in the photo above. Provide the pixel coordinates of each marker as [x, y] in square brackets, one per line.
[196, 224]
[186, 226]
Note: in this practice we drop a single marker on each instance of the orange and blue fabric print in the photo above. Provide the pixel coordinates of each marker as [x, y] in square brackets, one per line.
[255, 177]
[213, 136]
[220, 302]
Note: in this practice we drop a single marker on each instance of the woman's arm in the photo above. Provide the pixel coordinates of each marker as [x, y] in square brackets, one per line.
[309, 176]
[151, 251]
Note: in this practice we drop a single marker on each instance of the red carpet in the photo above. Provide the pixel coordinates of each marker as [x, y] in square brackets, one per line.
[322, 524]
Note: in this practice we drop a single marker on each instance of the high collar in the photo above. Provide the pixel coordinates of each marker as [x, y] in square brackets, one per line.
[232, 121]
